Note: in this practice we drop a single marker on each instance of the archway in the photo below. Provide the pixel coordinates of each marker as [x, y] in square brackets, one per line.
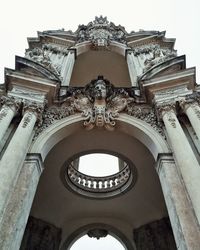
[132, 138]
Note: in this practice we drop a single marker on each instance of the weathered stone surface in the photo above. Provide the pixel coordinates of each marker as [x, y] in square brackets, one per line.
[155, 236]
[40, 235]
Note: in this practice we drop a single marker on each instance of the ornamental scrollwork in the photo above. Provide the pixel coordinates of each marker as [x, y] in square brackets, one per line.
[146, 114]
[53, 114]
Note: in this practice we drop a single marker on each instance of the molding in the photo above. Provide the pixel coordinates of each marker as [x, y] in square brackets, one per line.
[35, 158]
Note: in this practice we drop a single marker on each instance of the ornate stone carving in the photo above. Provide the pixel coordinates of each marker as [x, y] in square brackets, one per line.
[147, 114]
[33, 108]
[52, 114]
[192, 103]
[165, 107]
[100, 104]
[11, 102]
[97, 233]
[42, 57]
[100, 32]
[153, 54]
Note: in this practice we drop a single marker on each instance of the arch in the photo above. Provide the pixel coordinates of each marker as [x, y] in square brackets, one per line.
[77, 234]
[128, 124]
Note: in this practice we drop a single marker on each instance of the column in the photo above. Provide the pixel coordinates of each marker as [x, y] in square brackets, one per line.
[19, 205]
[183, 220]
[192, 110]
[132, 68]
[67, 68]
[184, 156]
[7, 113]
[13, 158]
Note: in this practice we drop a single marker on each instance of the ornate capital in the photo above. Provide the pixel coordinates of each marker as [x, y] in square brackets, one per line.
[163, 108]
[11, 102]
[34, 108]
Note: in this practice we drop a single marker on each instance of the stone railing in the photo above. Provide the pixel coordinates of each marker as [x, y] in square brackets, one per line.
[99, 186]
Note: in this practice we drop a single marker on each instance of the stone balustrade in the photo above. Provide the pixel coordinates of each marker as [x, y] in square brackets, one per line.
[85, 184]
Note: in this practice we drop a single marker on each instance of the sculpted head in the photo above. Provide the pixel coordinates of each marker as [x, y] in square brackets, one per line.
[100, 91]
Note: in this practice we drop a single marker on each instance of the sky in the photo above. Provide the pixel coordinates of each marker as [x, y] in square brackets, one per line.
[23, 18]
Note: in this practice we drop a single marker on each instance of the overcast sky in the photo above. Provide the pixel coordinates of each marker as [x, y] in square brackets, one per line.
[23, 18]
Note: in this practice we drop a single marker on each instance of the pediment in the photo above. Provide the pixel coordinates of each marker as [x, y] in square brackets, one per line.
[30, 67]
[170, 66]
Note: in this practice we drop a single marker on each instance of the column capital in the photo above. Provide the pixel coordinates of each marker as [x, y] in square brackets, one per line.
[11, 102]
[35, 108]
[164, 107]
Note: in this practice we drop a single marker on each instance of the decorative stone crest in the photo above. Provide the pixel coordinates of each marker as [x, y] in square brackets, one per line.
[100, 104]
[100, 32]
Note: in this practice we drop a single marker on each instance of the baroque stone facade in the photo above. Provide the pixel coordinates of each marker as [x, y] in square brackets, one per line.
[150, 119]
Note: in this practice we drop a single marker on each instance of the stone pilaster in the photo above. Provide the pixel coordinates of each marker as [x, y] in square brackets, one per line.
[18, 208]
[183, 220]
[132, 68]
[67, 68]
[183, 153]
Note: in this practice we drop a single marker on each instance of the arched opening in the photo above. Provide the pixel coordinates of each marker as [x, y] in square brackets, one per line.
[135, 141]
[107, 243]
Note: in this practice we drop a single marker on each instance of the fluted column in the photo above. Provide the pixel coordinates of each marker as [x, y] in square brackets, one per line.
[7, 113]
[183, 220]
[192, 110]
[184, 155]
[13, 158]
[67, 68]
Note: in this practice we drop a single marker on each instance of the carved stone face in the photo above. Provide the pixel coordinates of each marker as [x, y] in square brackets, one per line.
[100, 90]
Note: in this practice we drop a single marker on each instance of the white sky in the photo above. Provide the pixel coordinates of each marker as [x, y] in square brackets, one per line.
[98, 164]
[23, 18]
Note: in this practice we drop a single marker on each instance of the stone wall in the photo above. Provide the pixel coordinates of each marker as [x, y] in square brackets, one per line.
[155, 236]
[40, 235]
